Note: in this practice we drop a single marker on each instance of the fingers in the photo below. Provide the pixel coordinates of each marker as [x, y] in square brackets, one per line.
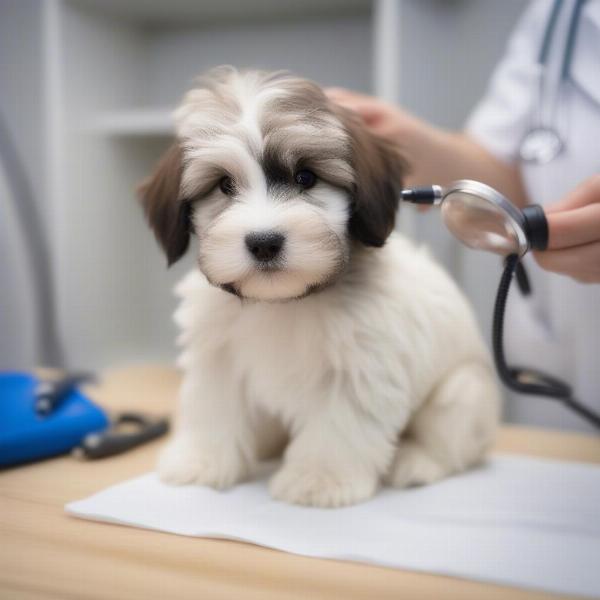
[580, 262]
[348, 98]
[338, 94]
[574, 227]
[584, 194]
[574, 234]
[369, 108]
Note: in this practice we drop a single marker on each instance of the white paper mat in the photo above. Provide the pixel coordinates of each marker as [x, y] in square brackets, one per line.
[520, 521]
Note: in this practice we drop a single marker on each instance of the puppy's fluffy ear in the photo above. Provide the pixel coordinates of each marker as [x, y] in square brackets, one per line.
[167, 213]
[379, 170]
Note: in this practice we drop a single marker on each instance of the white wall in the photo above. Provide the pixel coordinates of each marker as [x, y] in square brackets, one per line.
[21, 80]
[330, 51]
[21, 108]
[18, 337]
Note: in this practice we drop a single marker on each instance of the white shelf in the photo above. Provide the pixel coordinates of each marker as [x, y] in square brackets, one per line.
[132, 122]
[205, 12]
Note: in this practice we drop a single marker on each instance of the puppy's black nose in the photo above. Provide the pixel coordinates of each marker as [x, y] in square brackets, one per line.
[265, 245]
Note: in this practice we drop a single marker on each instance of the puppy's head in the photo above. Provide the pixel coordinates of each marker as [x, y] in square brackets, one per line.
[274, 180]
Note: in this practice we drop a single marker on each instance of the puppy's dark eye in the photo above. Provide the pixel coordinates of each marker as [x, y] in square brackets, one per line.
[305, 178]
[227, 186]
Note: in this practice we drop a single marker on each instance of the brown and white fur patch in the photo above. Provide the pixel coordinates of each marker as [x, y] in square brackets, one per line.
[306, 314]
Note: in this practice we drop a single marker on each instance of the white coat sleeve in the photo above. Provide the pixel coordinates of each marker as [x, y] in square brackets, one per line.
[503, 116]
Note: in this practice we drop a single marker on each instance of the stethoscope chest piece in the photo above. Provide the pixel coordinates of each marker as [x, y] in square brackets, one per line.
[483, 219]
[540, 146]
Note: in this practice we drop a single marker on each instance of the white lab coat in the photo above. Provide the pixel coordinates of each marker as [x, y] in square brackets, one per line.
[558, 329]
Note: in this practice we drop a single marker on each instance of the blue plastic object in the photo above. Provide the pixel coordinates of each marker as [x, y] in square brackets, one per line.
[26, 436]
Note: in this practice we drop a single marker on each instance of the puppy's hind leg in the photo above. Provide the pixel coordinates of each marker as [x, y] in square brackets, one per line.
[453, 429]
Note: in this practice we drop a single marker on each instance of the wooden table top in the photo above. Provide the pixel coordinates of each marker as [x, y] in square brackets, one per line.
[45, 554]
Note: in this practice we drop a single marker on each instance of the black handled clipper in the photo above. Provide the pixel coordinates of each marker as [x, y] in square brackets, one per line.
[112, 441]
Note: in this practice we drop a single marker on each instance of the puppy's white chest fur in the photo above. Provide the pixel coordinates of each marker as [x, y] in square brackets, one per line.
[380, 377]
[377, 342]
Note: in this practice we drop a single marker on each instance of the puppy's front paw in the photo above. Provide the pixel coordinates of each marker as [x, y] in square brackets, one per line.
[184, 461]
[319, 485]
[413, 466]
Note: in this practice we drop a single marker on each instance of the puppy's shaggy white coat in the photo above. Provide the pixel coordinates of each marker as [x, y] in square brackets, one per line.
[369, 359]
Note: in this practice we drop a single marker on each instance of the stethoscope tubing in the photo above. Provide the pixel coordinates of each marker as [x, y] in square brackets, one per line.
[524, 380]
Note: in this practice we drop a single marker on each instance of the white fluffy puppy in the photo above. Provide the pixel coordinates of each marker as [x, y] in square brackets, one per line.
[305, 313]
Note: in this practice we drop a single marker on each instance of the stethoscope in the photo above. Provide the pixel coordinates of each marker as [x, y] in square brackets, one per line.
[543, 143]
[483, 219]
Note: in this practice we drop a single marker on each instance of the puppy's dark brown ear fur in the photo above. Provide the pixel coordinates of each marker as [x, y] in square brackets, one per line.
[379, 170]
[167, 214]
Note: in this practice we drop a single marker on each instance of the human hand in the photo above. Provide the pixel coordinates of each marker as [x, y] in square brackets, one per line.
[434, 155]
[381, 117]
[574, 234]
[415, 139]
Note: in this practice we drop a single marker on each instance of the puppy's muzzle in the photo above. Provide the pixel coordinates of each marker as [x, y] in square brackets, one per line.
[265, 246]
